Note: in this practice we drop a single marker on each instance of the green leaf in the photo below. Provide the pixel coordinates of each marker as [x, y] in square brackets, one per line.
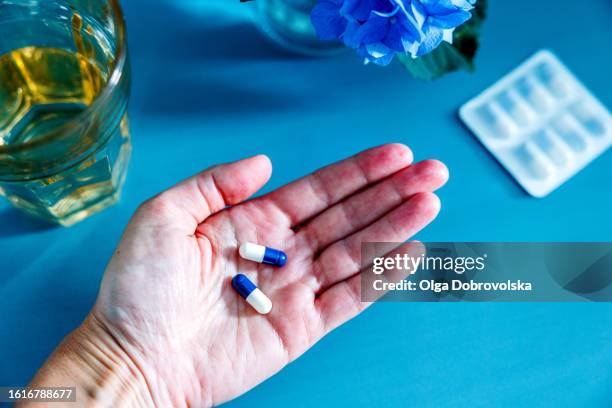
[450, 57]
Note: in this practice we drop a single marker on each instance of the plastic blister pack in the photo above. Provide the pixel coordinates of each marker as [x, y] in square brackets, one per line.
[540, 122]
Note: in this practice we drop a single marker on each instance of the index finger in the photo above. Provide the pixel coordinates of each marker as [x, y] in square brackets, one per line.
[310, 195]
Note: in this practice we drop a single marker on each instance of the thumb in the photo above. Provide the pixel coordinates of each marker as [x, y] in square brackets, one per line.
[193, 200]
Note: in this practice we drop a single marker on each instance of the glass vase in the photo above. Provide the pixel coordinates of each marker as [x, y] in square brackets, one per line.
[287, 22]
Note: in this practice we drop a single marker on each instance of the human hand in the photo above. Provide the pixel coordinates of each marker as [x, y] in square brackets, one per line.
[166, 300]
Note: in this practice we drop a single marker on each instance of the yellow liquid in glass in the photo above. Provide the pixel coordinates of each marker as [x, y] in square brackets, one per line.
[40, 90]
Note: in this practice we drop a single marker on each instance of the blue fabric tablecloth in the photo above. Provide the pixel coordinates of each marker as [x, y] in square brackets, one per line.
[208, 88]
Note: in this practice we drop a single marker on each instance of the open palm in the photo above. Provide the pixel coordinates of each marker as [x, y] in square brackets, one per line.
[166, 296]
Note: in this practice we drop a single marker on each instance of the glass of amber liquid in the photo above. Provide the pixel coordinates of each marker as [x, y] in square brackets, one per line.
[64, 87]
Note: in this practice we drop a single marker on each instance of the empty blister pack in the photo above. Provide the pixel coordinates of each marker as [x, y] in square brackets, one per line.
[540, 122]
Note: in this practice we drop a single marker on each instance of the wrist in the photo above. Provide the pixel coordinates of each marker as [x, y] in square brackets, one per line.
[91, 360]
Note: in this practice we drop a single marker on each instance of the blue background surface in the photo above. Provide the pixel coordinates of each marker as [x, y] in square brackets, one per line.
[208, 88]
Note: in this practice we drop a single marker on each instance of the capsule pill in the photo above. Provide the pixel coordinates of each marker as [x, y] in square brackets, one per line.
[253, 296]
[262, 254]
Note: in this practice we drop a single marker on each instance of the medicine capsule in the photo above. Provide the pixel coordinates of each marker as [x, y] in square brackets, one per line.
[251, 294]
[262, 254]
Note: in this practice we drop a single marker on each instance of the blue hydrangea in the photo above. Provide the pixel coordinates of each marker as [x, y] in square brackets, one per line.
[378, 29]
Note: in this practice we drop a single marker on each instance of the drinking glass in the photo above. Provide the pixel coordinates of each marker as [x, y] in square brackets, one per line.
[64, 87]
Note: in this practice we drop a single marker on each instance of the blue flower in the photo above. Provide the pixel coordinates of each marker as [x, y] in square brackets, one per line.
[378, 29]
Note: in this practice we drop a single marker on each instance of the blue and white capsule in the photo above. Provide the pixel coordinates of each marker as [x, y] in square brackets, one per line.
[252, 294]
[262, 254]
